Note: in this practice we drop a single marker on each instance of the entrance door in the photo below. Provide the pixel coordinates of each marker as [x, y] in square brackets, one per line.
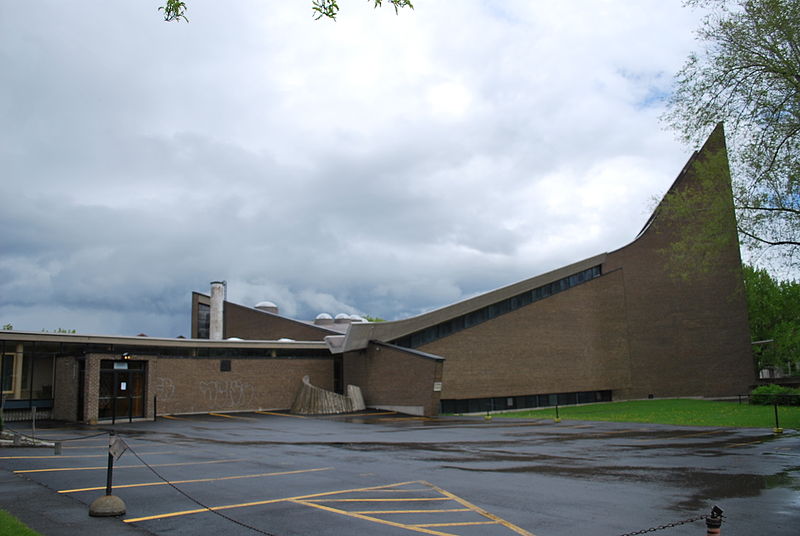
[338, 375]
[121, 389]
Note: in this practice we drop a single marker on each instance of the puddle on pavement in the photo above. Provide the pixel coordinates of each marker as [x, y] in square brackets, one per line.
[697, 486]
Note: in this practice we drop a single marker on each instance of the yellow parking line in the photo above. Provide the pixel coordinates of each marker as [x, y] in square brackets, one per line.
[197, 480]
[365, 414]
[255, 503]
[406, 490]
[280, 414]
[461, 524]
[105, 467]
[412, 499]
[481, 511]
[440, 511]
[232, 416]
[314, 502]
[76, 456]
[374, 519]
[171, 417]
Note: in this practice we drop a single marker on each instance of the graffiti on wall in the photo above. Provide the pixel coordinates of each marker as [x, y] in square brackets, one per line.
[227, 393]
[165, 388]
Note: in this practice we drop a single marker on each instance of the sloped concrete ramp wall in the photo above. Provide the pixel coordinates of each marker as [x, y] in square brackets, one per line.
[312, 400]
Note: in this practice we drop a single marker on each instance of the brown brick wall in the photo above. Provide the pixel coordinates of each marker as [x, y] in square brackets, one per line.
[191, 385]
[247, 323]
[252, 324]
[647, 326]
[196, 385]
[91, 375]
[394, 378]
[572, 341]
[688, 325]
[65, 395]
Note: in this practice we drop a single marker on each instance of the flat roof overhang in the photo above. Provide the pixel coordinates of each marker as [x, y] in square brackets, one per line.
[144, 342]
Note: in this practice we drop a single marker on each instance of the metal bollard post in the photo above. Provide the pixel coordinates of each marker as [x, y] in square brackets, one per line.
[777, 429]
[110, 470]
[714, 522]
[57, 448]
[17, 440]
[33, 422]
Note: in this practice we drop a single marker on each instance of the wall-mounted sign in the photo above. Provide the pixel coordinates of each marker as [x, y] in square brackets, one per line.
[123, 386]
[437, 387]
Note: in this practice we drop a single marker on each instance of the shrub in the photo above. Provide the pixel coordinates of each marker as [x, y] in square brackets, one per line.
[770, 394]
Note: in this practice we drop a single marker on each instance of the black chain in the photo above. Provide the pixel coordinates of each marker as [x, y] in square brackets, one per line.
[209, 508]
[56, 439]
[667, 526]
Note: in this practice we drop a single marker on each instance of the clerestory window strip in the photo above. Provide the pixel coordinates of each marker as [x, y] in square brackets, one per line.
[484, 314]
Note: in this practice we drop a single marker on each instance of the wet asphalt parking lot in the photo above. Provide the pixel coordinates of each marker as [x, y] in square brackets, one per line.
[389, 474]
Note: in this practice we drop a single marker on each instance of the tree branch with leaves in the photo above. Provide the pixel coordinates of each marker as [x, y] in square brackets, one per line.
[175, 10]
[748, 76]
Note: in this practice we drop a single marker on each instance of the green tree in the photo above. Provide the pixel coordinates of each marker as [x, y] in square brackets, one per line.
[747, 75]
[773, 307]
[175, 10]
[8, 327]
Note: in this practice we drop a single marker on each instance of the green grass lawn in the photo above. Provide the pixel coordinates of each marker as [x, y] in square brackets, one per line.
[674, 411]
[11, 526]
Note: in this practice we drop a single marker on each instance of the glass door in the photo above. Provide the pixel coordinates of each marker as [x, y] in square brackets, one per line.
[121, 389]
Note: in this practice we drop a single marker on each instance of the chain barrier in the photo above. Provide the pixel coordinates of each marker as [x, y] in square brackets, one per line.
[667, 526]
[54, 439]
[716, 513]
[209, 508]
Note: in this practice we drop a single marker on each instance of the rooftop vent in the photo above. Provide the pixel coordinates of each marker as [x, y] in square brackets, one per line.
[343, 318]
[267, 306]
[323, 319]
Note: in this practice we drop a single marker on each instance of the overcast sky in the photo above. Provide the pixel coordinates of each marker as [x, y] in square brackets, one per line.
[379, 164]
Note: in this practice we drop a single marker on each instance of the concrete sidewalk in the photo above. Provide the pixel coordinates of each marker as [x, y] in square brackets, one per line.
[52, 514]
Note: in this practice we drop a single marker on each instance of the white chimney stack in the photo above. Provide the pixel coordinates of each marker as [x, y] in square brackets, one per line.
[216, 312]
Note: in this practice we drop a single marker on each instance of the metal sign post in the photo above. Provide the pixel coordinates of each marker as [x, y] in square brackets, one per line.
[110, 505]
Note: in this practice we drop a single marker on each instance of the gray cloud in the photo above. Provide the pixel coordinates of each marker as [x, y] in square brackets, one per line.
[381, 164]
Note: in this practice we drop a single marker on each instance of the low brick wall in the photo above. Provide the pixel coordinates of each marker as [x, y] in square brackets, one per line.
[198, 384]
[395, 378]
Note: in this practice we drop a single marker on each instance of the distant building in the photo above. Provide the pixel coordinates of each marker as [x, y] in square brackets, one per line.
[619, 325]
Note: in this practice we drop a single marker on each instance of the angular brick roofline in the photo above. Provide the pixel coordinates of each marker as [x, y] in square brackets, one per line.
[206, 300]
[360, 335]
